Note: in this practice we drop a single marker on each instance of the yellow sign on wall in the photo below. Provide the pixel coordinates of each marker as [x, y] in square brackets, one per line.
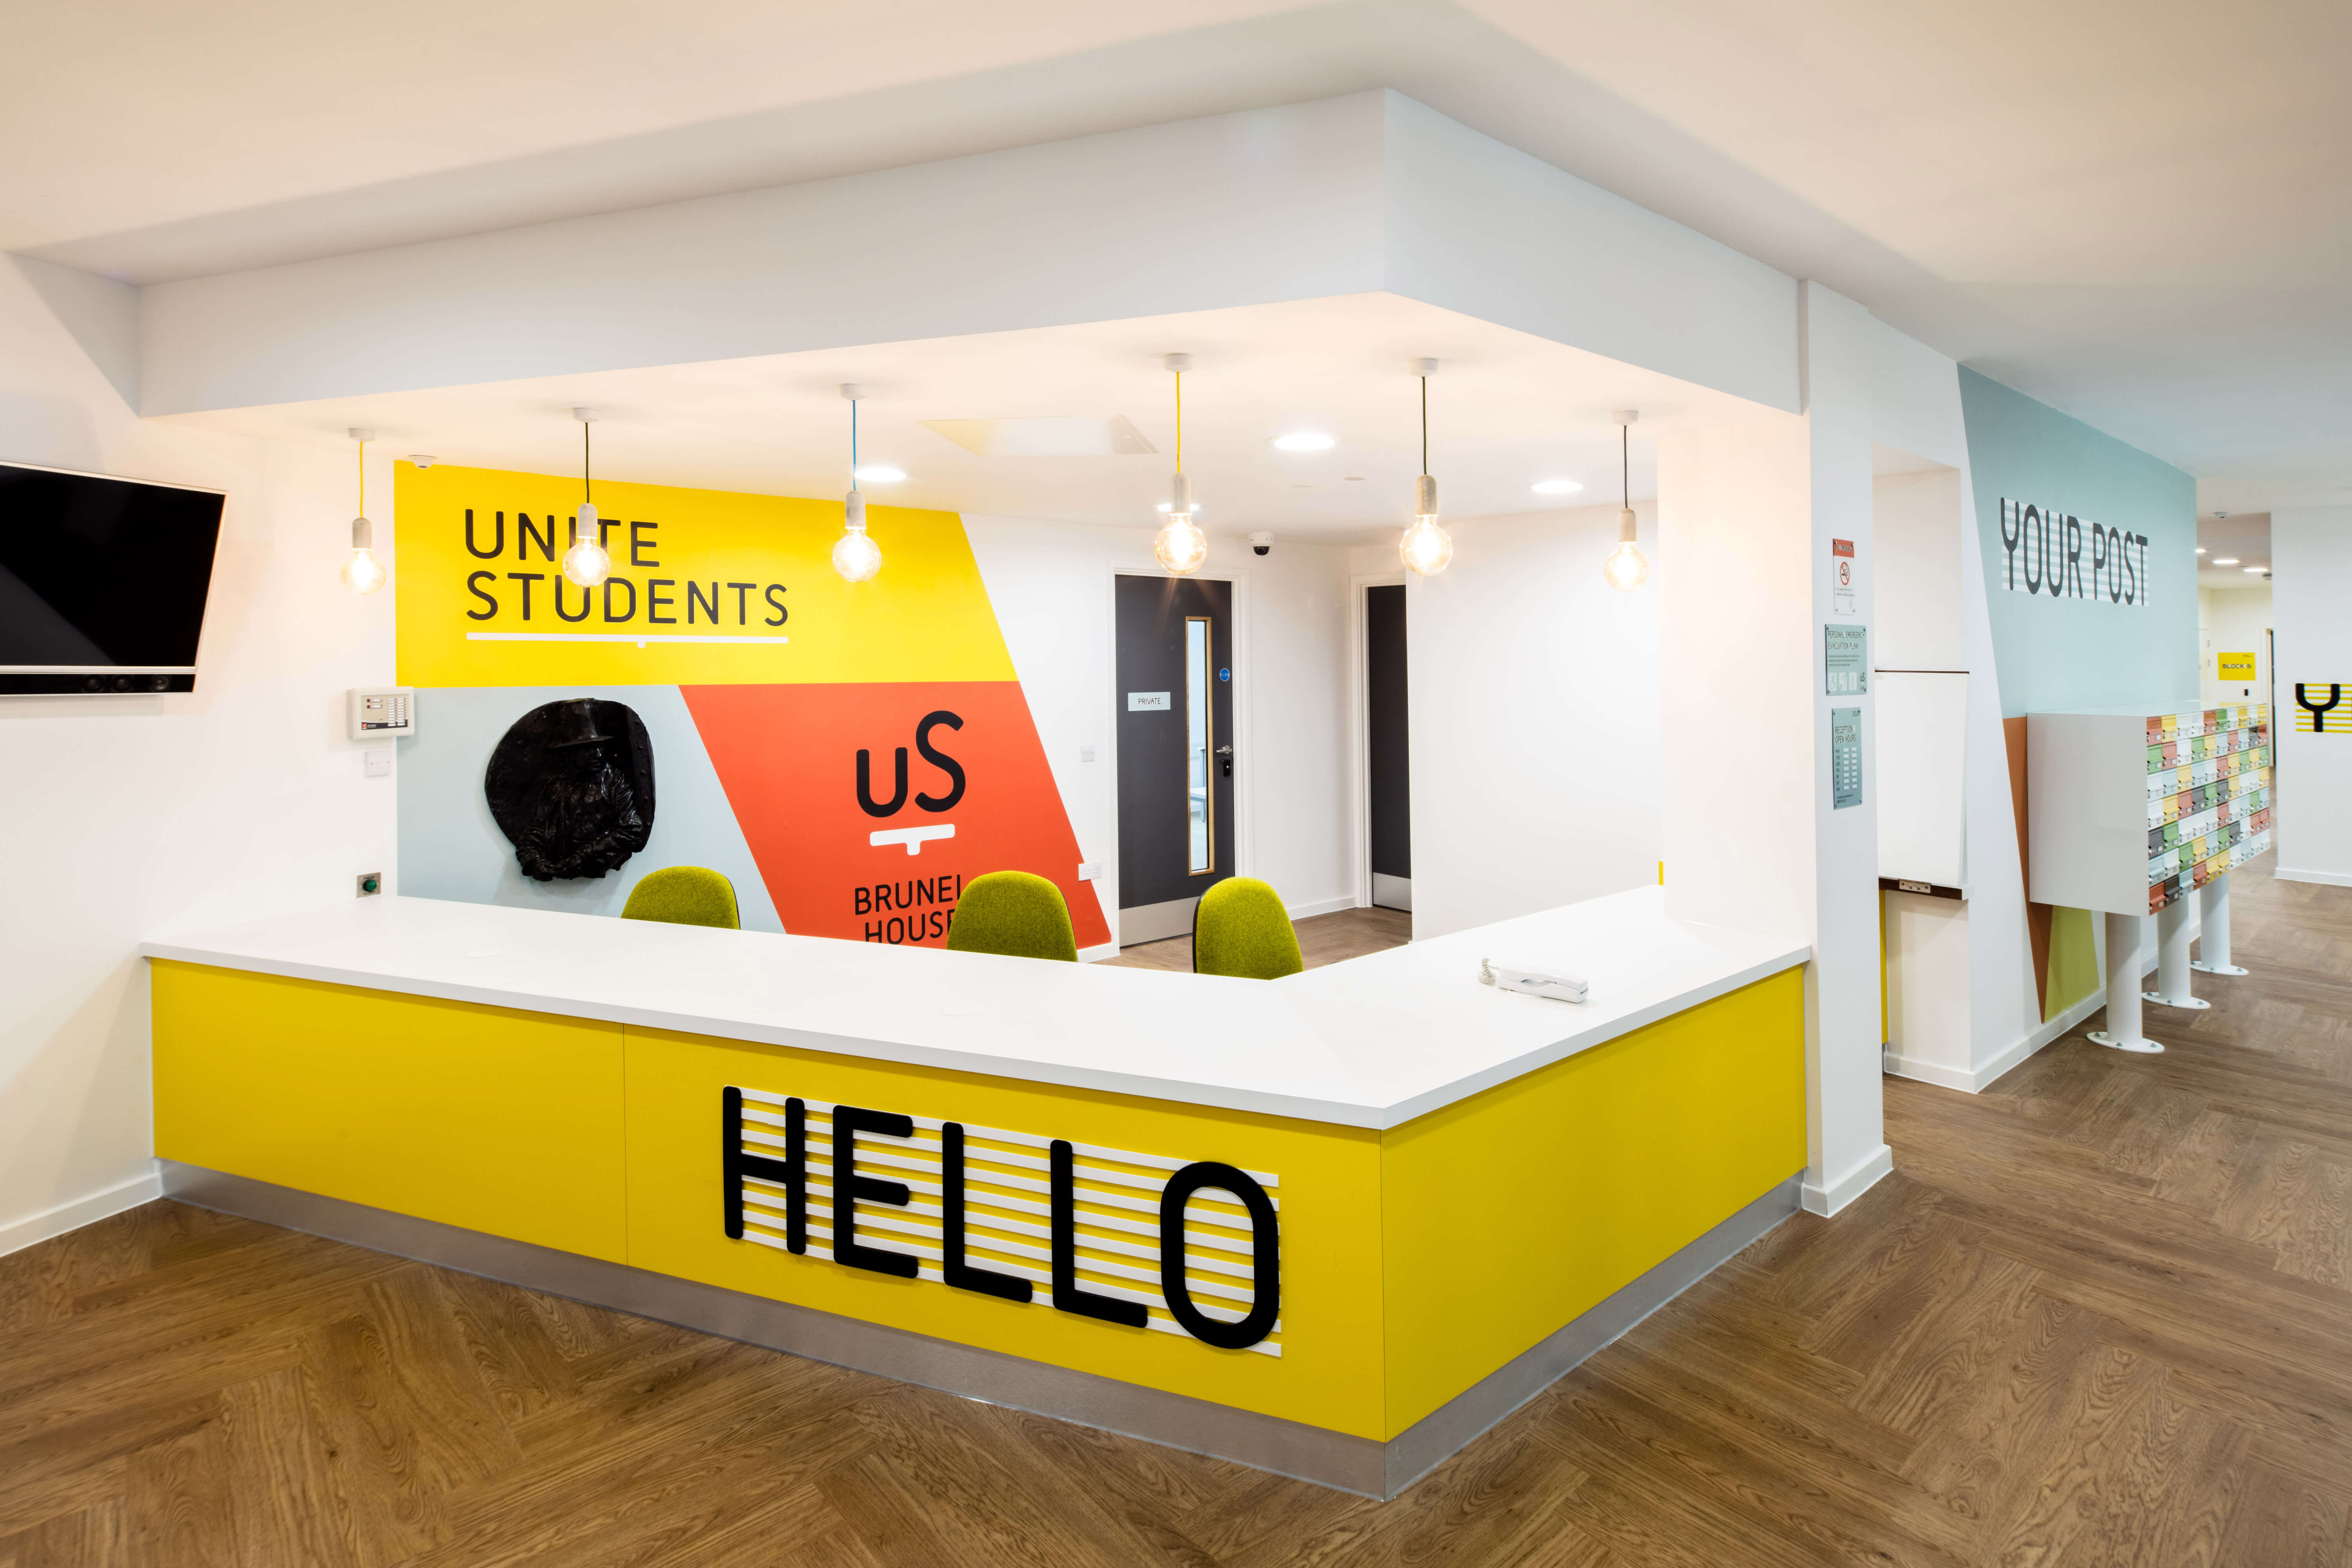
[708, 588]
[2238, 667]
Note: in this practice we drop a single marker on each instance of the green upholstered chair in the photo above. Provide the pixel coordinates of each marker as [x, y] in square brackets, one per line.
[1240, 928]
[684, 896]
[1013, 913]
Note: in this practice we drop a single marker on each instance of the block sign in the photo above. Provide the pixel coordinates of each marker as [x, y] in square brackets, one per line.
[2234, 665]
[2319, 708]
[1189, 1247]
[1148, 702]
[2052, 554]
[1841, 586]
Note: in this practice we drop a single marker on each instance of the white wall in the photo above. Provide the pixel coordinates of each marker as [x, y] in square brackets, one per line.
[2311, 568]
[135, 815]
[2235, 620]
[1919, 530]
[1050, 584]
[1747, 515]
[1534, 692]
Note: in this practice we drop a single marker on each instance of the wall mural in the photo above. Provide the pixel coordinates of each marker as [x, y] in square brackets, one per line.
[571, 784]
[871, 741]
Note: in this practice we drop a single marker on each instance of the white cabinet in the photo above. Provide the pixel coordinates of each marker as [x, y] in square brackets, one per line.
[2129, 810]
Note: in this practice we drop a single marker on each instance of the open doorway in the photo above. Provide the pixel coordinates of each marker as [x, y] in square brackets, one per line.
[1388, 747]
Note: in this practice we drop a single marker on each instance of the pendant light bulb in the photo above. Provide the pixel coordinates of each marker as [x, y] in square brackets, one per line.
[1626, 568]
[585, 563]
[1426, 549]
[364, 574]
[854, 554]
[1180, 546]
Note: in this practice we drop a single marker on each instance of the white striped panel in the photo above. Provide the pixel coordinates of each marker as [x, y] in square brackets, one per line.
[999, 1135]
[1163, 1325]
[992, 1211]
[1042, 1278]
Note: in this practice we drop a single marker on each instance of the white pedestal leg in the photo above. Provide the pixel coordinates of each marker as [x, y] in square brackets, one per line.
[2172, 936]
[2122, 1032]
[2213, 901]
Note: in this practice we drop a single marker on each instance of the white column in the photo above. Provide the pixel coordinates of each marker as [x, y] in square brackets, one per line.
[2311, 562]
[1752, 837]
[2173, 935]
[2213, 915]
[2123, 1030]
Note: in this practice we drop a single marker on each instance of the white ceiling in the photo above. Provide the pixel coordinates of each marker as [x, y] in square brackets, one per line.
[2141, 215]
[1507, 410]
[2244, 537]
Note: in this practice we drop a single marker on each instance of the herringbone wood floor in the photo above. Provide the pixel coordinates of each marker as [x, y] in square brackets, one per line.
[2100, 1314]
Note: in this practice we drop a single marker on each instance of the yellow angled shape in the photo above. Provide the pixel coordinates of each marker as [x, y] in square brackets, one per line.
[494, 1120]
[925, 617]
[1510, 1214]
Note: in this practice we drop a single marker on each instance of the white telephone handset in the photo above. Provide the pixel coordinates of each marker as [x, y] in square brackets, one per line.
[1531, 981]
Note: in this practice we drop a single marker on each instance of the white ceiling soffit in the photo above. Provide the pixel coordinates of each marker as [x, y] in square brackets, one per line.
[2243, 538]
[1506, 410]
[1046, 436]
[2093, 206]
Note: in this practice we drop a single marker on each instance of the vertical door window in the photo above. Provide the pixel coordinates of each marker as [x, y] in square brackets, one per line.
[1199, 799]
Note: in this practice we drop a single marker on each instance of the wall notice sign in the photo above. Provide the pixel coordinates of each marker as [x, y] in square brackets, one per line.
[1846, 659]
[2234, 665]
[1841, 591]
[1148, 702]
[1846, 757]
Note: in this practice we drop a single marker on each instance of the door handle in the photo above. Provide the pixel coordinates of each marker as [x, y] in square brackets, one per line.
[1225, 760]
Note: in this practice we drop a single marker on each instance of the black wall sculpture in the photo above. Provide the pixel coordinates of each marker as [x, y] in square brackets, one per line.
[572, 784]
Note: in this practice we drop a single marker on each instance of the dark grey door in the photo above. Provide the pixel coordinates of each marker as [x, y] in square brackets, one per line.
[1388, 736]
[1176, 754]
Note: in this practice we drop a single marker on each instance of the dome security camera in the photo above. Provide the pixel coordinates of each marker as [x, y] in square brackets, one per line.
[1261, 542]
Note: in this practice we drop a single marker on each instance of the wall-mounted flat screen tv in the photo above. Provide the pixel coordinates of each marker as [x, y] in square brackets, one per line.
[102, 580]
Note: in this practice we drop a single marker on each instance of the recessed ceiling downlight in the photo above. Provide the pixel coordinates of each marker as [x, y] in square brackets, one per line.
[1555, 486]
[879, 474]
[1304, 441]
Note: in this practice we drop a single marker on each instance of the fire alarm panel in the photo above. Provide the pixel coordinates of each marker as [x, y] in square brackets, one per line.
[378, 712]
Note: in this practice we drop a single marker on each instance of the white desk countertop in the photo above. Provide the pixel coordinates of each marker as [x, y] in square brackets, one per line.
[1373, 1042]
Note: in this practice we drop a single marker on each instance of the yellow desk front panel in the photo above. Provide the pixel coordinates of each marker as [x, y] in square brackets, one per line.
[1328, 1190]
[1512, 1213]
[1414, 1262]
[498, 1120]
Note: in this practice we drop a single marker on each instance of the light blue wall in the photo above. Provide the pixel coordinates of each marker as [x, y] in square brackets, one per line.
[2054, 655]
[450, 848]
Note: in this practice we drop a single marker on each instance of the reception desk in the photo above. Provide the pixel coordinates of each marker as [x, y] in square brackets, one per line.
[1334, 1226]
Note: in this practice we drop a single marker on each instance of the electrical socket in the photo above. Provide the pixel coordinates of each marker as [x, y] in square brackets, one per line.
[371, 884]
